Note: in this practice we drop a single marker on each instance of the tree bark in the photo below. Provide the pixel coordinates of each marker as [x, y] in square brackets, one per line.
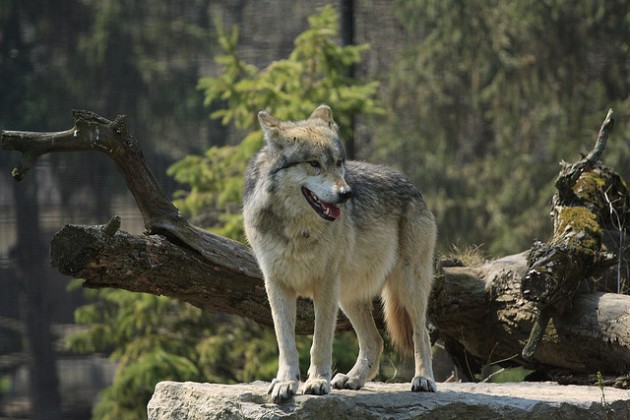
[482, 309]
[153, 264]
[485, 314]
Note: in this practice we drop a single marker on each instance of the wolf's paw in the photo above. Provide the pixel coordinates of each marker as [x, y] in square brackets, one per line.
[341, 381]
[282, 390]
[422, 384]
[316, 386]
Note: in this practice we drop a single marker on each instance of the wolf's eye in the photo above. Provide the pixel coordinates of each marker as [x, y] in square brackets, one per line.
[313, 163]
[339, 163]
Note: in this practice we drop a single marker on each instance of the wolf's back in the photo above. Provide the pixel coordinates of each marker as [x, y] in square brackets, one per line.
[382, 195]
[380, 191]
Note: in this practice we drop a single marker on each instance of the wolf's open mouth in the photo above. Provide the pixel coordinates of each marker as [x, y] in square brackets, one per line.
[326, 210]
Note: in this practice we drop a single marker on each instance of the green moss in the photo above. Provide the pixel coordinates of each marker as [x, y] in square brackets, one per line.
[590, 185]
[579, 226]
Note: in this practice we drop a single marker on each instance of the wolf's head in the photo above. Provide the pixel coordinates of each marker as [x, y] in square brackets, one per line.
[308, 154]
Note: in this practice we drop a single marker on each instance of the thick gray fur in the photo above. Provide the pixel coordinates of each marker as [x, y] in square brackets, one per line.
[341, 233]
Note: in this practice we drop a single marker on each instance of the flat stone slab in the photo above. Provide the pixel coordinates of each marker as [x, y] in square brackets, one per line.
[523, 400]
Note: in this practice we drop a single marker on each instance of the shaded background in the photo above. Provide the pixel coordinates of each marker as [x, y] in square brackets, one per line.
[481, 101]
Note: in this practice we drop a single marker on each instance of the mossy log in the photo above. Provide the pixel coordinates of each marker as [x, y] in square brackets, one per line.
[587, 194]
[485, 314]
[484, 319]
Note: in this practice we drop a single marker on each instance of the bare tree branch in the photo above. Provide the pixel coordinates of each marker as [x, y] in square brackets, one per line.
[92, 132]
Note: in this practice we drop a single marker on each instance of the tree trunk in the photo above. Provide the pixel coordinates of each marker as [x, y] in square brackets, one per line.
[30, 255]
[527, 309]
[347, 38]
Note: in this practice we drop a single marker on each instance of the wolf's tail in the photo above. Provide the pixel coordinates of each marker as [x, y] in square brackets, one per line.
[398, 323]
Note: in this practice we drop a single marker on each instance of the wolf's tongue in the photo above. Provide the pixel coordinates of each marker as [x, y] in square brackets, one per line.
[331, 210]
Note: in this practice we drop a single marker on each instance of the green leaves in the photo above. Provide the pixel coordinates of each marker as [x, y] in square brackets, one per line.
[489, 95]
[216, 185]
[136, 381]
[316, 72]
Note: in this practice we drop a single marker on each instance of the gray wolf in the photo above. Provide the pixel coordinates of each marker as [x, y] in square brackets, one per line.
[342, 233]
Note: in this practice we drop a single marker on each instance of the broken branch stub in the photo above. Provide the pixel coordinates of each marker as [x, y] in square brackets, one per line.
[575, 251]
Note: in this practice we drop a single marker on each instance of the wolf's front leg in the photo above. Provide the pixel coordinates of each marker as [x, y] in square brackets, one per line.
[283, 308]
[370, 346]
[320, 371]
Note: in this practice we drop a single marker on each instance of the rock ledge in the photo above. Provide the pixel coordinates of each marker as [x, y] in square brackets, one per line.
[540, 400]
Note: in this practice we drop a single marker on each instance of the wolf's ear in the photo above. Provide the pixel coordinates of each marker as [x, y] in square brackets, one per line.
[324, 113]
[268, 121]
[271, 127]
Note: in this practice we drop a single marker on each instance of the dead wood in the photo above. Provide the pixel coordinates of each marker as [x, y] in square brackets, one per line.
[485, 313]
[483, 310]
[92, 132]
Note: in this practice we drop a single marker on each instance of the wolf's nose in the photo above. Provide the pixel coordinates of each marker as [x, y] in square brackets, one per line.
[344, 194]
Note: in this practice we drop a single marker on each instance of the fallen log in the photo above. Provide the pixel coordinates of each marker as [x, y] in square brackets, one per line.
[153, 264]
[482, 309]
[485, 314]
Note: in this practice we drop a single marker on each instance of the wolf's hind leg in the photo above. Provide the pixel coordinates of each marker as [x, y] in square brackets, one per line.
[283, 309]
[423, 380]
[405, 299]
[370, 346]
[413, 288]
[416, 308]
